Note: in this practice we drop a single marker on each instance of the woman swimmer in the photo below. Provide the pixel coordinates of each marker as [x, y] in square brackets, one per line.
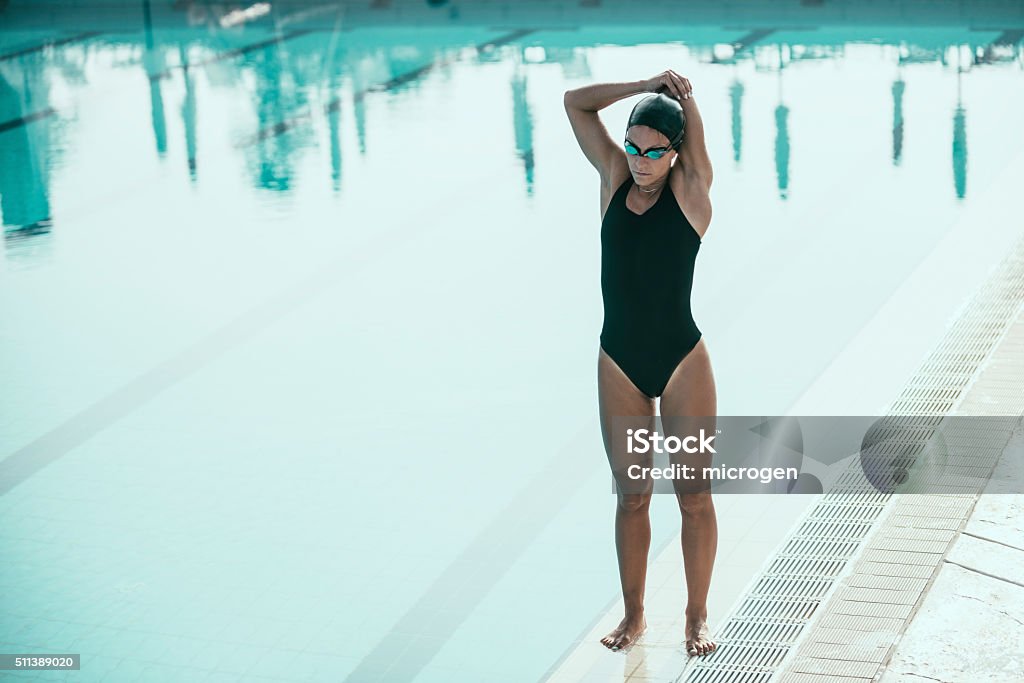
[656, 208]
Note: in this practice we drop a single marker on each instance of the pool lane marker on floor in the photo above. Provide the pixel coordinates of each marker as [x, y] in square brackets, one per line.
[25, 120]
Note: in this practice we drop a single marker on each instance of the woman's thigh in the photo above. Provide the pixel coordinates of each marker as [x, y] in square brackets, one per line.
[688, 408]
[622, 406]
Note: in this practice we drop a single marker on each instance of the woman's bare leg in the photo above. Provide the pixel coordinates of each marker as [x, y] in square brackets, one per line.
[619, 398]
[689, 404]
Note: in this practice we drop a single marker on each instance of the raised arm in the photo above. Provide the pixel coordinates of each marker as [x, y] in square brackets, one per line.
[582, 105]
[694, 153]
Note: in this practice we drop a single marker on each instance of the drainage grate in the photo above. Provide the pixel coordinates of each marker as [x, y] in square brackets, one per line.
[762, 630]
[730, 674]
[796, 588]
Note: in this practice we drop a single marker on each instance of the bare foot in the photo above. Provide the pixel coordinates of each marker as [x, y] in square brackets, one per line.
[626, 634]
[697, 641]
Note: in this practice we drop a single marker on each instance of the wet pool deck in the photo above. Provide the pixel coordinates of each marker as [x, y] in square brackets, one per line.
[742, 548]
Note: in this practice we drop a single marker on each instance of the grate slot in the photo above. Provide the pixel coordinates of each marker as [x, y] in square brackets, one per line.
[779, 587]
[724, 674]
[797, 567]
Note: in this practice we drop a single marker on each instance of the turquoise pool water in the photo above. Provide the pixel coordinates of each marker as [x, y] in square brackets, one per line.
[299, 319]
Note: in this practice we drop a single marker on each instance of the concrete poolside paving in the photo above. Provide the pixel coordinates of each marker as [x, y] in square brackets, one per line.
[962, 617]
[969, 625]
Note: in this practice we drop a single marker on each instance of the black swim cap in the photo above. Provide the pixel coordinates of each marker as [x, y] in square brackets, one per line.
[663, 114]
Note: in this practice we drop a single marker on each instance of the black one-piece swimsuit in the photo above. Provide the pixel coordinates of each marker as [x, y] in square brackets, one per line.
[647, 265]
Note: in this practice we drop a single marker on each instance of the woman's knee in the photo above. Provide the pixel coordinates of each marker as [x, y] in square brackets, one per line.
[634, 502]
[695, 502]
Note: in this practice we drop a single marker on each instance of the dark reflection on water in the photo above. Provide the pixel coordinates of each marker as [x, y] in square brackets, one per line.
[897, 120]
[24, 157]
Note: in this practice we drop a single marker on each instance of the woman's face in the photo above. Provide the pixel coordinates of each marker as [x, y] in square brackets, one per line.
[647, 171]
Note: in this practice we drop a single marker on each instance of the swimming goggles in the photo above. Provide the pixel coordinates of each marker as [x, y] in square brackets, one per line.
[652, 153]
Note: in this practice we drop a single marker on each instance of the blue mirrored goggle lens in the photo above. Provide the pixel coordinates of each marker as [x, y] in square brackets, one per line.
[650, 154]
